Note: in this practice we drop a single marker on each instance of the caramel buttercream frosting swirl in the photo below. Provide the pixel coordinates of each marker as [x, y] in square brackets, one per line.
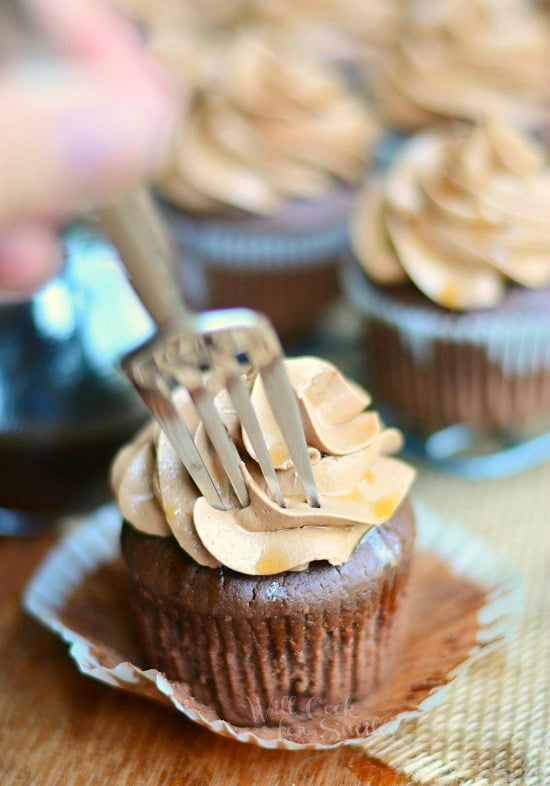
[262, 120]
[461, 212]
[461, 58]
[360, 485]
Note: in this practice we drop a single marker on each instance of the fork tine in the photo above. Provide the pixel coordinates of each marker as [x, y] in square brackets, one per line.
[163, 409]
[224, 447]
[285, 408]
[248, 418]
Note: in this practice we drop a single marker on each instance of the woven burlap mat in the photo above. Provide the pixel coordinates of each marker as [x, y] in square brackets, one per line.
[493, 726]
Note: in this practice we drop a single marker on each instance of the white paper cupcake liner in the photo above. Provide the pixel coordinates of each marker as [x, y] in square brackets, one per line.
[96, 636]
[238, 246]
[234, 248]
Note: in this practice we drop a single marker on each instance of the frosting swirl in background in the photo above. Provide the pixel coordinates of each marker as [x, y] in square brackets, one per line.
[263, 119]
[351, 32]
[462, 58]
[360, 486]
[462, 211]
[347, 30]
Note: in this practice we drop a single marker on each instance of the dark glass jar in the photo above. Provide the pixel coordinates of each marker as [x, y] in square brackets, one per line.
[65, 407]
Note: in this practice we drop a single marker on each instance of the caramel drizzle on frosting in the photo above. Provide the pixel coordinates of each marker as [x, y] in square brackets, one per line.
[359, 484]
[262, 120]
[461, 58]
[461, 212]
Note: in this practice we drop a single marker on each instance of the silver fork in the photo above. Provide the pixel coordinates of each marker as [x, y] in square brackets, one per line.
[226, 342]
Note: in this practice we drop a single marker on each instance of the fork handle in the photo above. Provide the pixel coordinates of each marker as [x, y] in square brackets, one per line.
[131, 222]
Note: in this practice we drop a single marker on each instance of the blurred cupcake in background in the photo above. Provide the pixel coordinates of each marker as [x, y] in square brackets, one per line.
[271, 145]
[454, 244]
[462, 58]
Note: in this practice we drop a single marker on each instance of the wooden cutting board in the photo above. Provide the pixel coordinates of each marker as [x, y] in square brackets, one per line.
[60, 728]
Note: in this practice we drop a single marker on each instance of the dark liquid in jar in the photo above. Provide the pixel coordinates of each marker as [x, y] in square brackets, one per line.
[65, 408]
[60, 471]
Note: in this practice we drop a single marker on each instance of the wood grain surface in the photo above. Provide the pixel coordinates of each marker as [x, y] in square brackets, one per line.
[60, 728]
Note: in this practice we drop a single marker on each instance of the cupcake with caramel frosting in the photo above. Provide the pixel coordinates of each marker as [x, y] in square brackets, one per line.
[270, 146]
[462, 58]
[263, 608]
[455, 238]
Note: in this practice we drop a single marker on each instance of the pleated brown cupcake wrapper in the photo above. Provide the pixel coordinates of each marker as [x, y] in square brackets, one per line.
[290, 276]
[492, 373]
[275, 670]
[292, 299]
[458, 385]
[463, 602]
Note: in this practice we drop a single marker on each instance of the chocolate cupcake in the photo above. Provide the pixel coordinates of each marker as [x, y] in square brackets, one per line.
[270, 147]
[273, 614]
[455, 245]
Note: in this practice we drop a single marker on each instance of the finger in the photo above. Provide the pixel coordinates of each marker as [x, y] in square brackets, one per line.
[92, 32]
[69, 136]
[30, 254]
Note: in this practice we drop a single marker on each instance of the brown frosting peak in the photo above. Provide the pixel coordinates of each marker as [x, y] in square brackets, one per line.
[460, 212]
[461, 58]
[360, 486]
